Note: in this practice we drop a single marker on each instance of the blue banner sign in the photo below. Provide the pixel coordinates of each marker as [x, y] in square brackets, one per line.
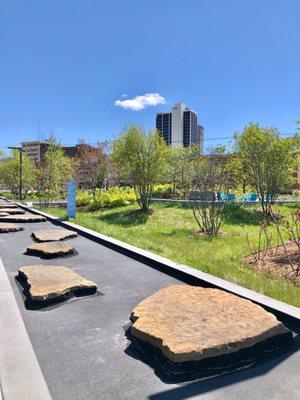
[71, 199]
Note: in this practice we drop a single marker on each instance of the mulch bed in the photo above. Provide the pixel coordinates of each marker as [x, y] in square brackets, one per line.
[204, 234]
[83, 208]
[276, 263]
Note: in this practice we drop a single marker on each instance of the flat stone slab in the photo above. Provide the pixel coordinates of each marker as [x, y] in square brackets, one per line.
[3, 214]
[23, 218]
[50, 249]
[194, 332]
[8, 205]
[5, 227]
[47, 283]
[51, 235]
[12, 211]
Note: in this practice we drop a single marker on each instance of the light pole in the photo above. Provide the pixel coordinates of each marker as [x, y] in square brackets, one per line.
[21, 169]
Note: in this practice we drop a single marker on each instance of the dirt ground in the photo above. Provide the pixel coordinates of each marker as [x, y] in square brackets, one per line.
[276, 262]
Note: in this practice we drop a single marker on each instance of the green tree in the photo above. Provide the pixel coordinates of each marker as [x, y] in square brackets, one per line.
[91, 165]
[267, 159]
[140, 158]
[54, 173]
[10, 174]
[179, 169]
[239, 171]
[211, 176]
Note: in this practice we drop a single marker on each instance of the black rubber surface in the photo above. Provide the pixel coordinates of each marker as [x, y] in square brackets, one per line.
[81, 343]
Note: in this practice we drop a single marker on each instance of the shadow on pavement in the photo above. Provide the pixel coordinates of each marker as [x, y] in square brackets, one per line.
[196, 388]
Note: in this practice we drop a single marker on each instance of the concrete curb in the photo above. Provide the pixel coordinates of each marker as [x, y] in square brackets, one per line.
[188, 203]
[288, 314]
[20, 375]
[184, 202]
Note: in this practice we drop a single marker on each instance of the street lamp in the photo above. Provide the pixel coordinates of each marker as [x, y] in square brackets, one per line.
[21, 169]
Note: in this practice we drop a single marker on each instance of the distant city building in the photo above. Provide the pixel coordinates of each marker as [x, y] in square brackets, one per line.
[180, 127]
[86, 154]
[35, 150]
[200, 132]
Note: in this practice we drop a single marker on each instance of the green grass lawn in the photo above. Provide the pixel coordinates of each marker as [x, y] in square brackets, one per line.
[167, 232]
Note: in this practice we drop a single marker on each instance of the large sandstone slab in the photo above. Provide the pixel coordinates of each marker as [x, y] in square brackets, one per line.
[23, 218]
[12, 211]
[50, 249]
[189, 323]
[5, 227]
[46, 283]
[8, 205]
[51, 235]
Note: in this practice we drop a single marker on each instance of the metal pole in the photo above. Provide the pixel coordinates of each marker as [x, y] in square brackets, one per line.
[21, 174]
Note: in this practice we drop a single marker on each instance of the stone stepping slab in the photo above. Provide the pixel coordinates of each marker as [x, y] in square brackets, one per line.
[8, 205]
[46, 284]
[23, 218]
[12, 211]
[4, 214]
[50, 249]
[51, 235]
[6, 227]
[190, 332]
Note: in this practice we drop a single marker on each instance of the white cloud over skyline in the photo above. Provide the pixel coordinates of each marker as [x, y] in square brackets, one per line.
[139, 103]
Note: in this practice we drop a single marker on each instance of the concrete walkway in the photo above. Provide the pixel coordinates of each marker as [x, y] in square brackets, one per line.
[81, 347]
[18, 362]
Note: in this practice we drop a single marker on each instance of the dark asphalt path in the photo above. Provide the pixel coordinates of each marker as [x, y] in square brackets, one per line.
[80, 344]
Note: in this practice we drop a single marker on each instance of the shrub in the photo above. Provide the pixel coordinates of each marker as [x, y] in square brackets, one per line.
[162, 191]
[83, 199]
[8, 195]
[292, 229]
[296, 194]
[211, 177]
[113, 197]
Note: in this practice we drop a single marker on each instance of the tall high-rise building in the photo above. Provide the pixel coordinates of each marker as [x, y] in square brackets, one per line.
[180, 127]
[164, 125]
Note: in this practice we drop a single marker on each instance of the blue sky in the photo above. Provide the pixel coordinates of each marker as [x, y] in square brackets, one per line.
[65, 64]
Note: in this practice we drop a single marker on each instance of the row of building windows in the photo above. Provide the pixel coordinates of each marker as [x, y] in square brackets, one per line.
[164, 126]
[186, 128]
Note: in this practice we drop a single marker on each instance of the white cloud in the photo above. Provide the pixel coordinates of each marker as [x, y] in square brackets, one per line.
[140, 102]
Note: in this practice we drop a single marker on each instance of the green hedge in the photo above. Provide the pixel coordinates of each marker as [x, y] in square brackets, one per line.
[162, 191]
[113, 197]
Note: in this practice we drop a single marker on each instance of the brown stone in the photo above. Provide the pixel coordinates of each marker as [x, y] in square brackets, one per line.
[50, 282]
[5, 228]
[190, 323]
[50, 249]
[51, 235]
[12, 211]
[8, 205]
[23, 218]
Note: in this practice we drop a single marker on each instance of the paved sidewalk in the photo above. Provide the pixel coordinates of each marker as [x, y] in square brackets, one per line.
[18, 362]
[80, 345]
